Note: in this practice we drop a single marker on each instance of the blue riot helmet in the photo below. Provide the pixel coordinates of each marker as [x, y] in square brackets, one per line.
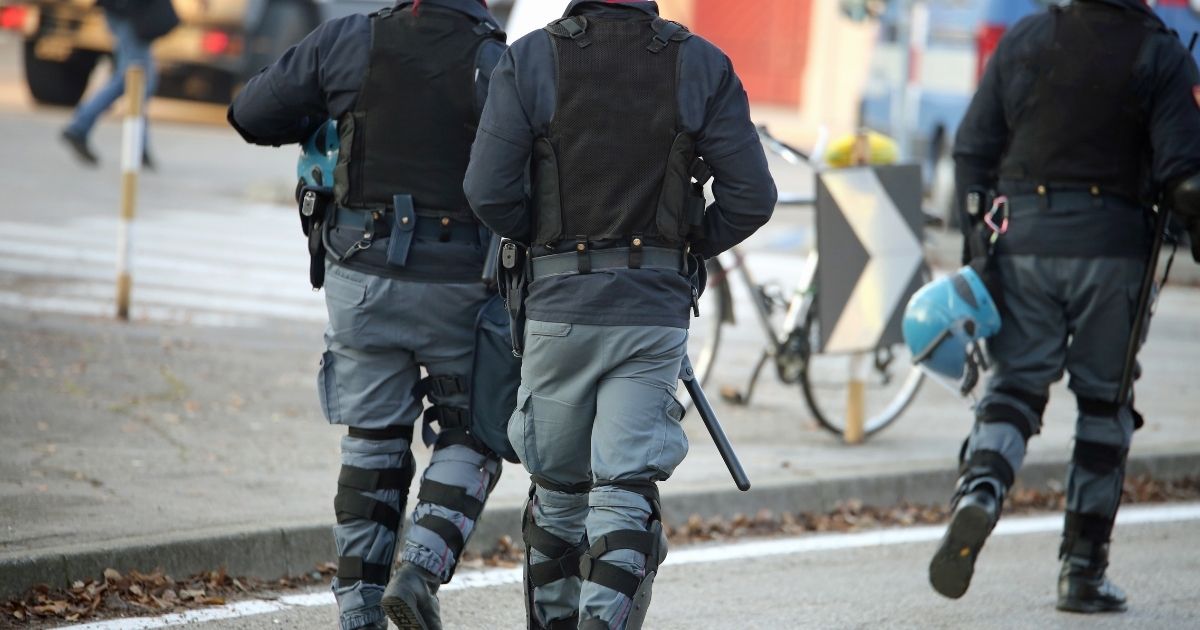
[945, 321]
[318, 156]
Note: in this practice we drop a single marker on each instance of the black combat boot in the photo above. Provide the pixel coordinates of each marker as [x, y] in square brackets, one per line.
[1082, 586]
[975, 514]
[410, 600]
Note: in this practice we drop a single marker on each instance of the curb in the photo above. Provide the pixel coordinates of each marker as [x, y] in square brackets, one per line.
[273, 552]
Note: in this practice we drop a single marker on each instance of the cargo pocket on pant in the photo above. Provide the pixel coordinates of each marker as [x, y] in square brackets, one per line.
[674, 439]
[327, 389]
[519, 423]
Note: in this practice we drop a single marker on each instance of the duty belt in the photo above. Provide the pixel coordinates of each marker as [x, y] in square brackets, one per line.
[427, 228]
[610, 258]
[1062, 195]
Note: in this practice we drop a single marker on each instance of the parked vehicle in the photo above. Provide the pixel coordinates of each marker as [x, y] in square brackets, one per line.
[219, 44]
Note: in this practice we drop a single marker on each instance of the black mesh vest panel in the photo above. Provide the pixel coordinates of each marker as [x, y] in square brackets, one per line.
[415, 119]
[1082, 124]
[612, 151]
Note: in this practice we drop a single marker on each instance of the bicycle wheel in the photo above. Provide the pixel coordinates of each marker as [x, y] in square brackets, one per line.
[704, 335]
[889, 377]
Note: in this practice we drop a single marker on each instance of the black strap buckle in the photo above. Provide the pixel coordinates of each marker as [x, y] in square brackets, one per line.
[664, 30]
[440, 386]
[636, 252]
[576, 29]
[584, 257]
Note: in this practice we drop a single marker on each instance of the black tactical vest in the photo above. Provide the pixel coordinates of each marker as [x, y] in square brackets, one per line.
[1082, 124]
[415, 120]
[614, 166]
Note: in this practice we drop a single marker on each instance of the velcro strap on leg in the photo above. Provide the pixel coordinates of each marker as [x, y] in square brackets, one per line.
[448, 417]
[1004, 413]
[1035, 402]
[609, 575]
[379, 435]
[460, 438]
[1091, 527]
[353, 569]
[350, 505]
[450, 497]
[1098, 457]
[372, 479]
[446, 530]
[648, 489]
[568, 623]
[571, 488]
[440, 386]
[642, 542]
[985, 463]
[1097, 407]
[564, 557]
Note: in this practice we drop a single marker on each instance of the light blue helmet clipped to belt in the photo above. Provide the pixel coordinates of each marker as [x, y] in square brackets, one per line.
[318, 157]
[944, 322]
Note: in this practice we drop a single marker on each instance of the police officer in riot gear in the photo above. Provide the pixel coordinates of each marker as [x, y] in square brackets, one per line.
[403, 261]
[1086, 116]
[619, 117]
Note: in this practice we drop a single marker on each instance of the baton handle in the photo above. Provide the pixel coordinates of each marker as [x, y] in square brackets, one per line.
[718, 434]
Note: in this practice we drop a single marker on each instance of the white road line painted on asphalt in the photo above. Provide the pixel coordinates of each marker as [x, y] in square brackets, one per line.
[1135, 515]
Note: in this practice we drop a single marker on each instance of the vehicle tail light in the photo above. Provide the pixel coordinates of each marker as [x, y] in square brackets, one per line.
[986, 41]
[215, 43]
[13, 18]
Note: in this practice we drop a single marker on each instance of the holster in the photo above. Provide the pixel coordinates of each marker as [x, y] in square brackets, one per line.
[514, 286]
[314, 204]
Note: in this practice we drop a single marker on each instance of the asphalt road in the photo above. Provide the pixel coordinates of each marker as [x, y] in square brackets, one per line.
[867, 580]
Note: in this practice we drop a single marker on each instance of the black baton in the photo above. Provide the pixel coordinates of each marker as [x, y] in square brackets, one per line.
[1145, 297]
[714, 426]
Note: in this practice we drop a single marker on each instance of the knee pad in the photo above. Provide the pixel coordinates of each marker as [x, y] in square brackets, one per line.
[651, 543]
[563, 555]
[351, 503]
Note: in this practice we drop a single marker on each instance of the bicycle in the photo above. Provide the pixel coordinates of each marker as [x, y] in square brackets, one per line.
[888, 379]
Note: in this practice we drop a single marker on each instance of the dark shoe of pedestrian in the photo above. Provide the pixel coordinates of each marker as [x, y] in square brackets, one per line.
[410, 600]
[953, 565]
[79, 145]
[1082, 586]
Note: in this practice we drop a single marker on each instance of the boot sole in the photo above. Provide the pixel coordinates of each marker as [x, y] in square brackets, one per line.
[1086, 608]
[403, 614]
[953, 565]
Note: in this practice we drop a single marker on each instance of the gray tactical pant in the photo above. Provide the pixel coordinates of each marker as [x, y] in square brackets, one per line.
[1060, 313]
[596, 404]
[381, 332]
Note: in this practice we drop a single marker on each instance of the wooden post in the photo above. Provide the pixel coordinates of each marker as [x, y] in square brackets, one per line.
[132, 146]
[855, 406]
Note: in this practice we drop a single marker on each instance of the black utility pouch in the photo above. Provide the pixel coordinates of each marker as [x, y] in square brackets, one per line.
[314, 204]
[513, 285]
[405, 221]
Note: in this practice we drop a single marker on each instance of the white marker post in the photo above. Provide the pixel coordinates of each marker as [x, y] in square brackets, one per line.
[131, 163]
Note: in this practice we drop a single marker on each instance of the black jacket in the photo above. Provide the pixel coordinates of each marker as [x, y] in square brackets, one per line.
[1163, 85]
[320, 78]
[712, 107]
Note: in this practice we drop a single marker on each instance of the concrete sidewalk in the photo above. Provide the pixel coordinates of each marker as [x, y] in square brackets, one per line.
[150, 445]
